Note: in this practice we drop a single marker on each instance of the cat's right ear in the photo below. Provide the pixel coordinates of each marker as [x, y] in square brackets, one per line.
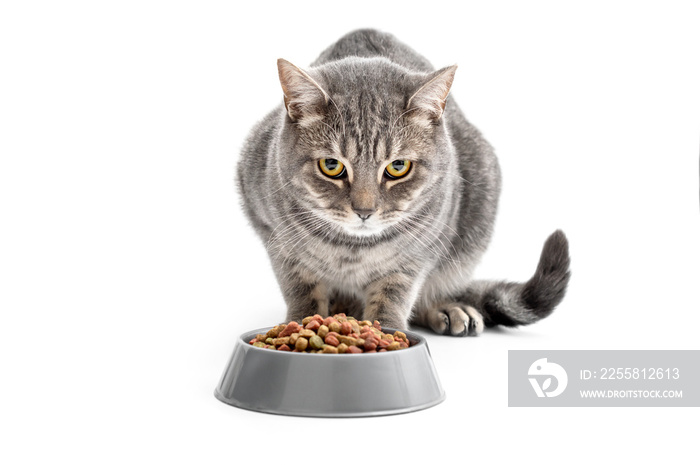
[303, 97]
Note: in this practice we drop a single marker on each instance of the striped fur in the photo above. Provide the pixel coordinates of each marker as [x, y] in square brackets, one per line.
[366, 101]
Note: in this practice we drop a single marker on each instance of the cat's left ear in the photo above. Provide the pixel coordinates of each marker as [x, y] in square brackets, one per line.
[429, 100]
[303, 97]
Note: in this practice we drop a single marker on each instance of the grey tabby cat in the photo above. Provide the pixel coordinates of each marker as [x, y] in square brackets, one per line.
[377, 198]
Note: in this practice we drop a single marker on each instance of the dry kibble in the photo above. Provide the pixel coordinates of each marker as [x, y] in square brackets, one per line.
[302, 343]
[315, 342]
[401, 335]
[346, 340]
[307, 333]
[370, 345]
[393, 346]
[322, 330]
[334, 326]
[291, 328]
[345, 328]
[336, 334]
[274, 332]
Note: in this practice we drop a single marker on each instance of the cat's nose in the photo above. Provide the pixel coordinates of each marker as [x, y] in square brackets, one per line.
[364, 213]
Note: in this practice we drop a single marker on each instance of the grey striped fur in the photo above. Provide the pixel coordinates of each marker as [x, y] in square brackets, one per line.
[366, 101]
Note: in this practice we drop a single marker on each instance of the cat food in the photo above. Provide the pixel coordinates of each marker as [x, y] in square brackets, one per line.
[337, 334]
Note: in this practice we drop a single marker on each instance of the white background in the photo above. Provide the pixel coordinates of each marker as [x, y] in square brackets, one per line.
[127, 268]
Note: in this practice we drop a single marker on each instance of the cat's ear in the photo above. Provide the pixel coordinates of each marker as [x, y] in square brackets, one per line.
[429, 100]
[303, 97]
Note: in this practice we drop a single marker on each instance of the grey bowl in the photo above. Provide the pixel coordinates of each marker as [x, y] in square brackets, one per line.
[330, 385]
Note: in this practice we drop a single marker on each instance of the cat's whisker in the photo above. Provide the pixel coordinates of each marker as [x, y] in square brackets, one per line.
[452, 173]
[308, 223]
[427, 243]
[289, 223]
[277, 190]
[433, 220]
[428, 246]
[437, 233]
[288, 219]
[296, 214]
[408, 230]
[287, 241]
[289, 248]
[449, 258]
[438, 245]
[302, 236]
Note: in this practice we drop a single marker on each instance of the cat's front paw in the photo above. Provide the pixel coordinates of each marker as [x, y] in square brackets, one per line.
[394, 324]
[455, 319]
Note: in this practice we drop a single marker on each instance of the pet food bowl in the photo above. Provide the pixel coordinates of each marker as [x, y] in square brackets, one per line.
[330, 385]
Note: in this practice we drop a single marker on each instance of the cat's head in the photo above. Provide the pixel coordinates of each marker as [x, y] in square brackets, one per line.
[364, 145]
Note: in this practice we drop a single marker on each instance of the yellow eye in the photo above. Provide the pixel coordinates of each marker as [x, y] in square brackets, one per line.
[331, 167]
[397, 169]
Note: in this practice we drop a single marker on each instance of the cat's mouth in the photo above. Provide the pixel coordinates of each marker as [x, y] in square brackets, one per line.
[374, 226]
[356, 227]
[364, 229]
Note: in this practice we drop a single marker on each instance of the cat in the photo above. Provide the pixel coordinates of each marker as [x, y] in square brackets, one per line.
[375, 197]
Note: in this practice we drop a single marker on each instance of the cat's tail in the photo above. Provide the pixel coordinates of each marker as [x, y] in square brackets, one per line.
[513, 304]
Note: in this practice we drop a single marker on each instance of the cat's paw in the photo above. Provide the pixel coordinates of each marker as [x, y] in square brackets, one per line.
[393, 323]
[455, 319]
